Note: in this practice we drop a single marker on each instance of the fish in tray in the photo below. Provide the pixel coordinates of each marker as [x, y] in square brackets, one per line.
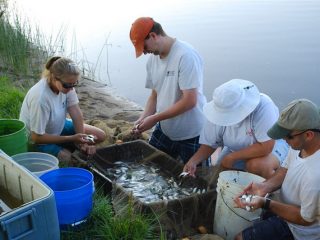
[147, 183]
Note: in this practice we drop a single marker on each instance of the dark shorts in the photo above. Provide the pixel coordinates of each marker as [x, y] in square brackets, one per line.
[272, 227]
[183, 149]
[54, 149]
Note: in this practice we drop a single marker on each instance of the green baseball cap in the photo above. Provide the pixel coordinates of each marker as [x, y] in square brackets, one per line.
[300, 114]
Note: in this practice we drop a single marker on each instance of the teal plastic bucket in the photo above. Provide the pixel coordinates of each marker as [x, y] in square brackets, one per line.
[13, 136]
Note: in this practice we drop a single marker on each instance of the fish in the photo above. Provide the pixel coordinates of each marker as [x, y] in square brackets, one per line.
[147, 183]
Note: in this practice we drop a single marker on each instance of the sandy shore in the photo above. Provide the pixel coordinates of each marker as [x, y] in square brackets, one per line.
[103, 108]
[98, 101]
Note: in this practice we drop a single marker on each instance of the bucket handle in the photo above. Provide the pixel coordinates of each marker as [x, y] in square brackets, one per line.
[233, 210]
[8, 225]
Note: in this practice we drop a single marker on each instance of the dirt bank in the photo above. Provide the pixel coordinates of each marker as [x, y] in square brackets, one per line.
[98, 101]
[101, 107]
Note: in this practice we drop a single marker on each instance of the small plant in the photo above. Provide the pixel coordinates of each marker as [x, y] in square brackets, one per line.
[129, 225]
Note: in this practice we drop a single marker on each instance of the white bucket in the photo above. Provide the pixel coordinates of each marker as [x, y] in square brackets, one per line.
[228, 220]
[36, 162]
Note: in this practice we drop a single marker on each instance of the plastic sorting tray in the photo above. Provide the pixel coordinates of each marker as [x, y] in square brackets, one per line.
[28, 209]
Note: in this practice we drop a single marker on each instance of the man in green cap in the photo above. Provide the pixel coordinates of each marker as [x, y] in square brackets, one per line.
[297, 215]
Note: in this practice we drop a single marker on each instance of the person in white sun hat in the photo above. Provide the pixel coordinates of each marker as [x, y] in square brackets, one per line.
[238, 118]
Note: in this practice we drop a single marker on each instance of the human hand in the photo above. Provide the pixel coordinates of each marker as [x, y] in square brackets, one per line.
[88, 149]
[146, 124]
[190, 168]
[256, 189]
[79, 138]
[136, 123]
[82, 138]
[251, 202]
[255, 203]
[135, 130]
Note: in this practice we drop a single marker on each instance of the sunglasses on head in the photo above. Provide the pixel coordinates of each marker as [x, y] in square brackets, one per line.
[292, 136]
[67, 85]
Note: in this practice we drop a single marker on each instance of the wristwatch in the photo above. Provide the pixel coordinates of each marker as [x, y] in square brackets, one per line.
[266, 204]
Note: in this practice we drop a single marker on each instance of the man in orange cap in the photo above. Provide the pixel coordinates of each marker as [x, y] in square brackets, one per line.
[175, 76]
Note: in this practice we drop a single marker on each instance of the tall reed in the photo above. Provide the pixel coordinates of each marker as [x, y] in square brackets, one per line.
[23, 49]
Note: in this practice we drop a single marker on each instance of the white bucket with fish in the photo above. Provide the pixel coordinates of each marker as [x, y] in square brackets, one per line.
[228, 220]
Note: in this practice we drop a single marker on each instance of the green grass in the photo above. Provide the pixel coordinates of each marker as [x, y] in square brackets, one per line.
[10, 99]
[103, 223]
[101, 211]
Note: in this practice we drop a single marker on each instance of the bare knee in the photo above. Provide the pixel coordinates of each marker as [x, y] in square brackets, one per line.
[101, 135]
[97, 132]
[253, 166]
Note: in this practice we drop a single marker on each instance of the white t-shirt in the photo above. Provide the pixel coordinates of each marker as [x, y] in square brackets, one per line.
[182, 69]
[251, 130]
[301, 187]
[43, 111]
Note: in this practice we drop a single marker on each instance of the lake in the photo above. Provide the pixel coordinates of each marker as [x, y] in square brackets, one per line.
[275, 44]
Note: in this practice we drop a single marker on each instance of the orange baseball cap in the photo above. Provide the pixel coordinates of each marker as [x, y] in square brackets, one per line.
[138, 33]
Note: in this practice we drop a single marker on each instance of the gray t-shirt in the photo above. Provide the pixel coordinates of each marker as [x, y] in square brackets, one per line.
[43, 111]
[181, 70]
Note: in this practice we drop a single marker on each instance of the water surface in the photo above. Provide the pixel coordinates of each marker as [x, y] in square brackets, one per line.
[275, 44]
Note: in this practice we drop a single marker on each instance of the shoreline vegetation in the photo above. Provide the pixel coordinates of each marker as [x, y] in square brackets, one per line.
[22, 56]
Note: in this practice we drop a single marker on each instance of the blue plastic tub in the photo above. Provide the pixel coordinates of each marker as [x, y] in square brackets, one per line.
[73, 193]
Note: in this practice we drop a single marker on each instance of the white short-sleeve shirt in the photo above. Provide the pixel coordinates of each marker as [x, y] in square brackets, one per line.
[301, 187]
[251, 130]
[181, 70]
[43, 111]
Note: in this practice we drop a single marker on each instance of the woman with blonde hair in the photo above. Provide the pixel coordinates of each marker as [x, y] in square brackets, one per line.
[45, 108]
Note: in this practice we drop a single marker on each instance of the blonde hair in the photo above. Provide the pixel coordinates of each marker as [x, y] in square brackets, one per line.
[60, 67]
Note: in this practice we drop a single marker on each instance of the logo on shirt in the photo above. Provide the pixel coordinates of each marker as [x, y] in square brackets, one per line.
[64, 104]
[250, 132]
[170, 73]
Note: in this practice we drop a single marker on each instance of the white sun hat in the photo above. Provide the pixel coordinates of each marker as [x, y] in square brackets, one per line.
[232, 102]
